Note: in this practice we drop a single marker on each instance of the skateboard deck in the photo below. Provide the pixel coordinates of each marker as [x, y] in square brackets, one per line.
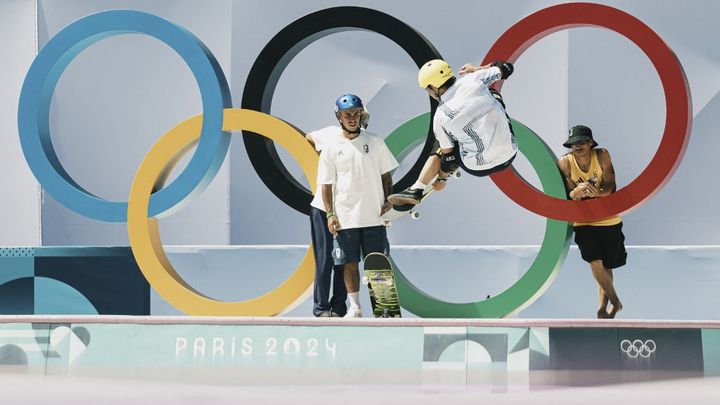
[401, 210]
[378, 276]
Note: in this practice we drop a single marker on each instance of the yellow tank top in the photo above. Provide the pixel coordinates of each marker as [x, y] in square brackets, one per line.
[594, 172]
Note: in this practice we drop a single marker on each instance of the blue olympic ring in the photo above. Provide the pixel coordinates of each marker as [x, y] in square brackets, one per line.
[51, 62]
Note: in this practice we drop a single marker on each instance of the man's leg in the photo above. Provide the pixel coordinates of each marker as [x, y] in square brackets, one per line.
[322, 248]
[414, 193]
[352, 283]
[603, 303]
[352, 277]
[604, 278]
[339, 295]
[616, 308]
[347, 248]
[429, 171]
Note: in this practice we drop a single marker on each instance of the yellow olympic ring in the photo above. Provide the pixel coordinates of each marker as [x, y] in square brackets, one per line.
[144, 233]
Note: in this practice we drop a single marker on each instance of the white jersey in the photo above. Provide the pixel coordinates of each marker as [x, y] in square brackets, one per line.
[354, 167]
[322, 138]
[469, 115]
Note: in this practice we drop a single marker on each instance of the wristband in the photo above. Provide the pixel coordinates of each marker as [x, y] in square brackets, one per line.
[330, 214]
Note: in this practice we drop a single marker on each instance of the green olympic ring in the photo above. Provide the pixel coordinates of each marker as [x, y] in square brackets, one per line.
[542, 271]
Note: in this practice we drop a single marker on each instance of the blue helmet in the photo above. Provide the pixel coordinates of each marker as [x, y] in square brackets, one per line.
[348, 101]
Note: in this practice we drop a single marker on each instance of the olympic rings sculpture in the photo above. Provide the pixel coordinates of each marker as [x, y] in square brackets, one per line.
[541, 272]
[209, 132]
[278, 53]
[678, 116]
[48, 66]
[145, 236]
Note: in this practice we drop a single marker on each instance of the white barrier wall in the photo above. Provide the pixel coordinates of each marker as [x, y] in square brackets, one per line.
[385, 356]
[657, 283]
[123, 93]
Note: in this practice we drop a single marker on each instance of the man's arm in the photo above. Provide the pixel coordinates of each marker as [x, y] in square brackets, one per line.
[469, 68]
[327, 196]
[325, 180]
[386, 179]
[608, 178]
[498, 70]
[387, 184]
[573, 191]
[387, 163]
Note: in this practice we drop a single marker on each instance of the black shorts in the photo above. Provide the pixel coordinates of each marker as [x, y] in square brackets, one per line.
[352, 245]
[606, 243]
[487, 172]
[479, 173]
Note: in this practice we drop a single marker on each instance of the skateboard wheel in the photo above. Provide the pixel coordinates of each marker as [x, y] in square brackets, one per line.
[415, 215]
[365, 280]
[388, 283]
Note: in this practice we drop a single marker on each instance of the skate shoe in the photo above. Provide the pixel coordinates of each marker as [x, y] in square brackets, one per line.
[408, 196]
[353, 312]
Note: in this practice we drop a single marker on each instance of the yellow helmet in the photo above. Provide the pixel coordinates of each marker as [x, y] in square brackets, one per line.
[435, 72]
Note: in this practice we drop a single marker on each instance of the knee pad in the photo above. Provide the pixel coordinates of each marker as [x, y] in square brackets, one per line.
[449, 163]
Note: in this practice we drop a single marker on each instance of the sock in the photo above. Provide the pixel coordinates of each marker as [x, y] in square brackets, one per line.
[419, 185]
[354, 298]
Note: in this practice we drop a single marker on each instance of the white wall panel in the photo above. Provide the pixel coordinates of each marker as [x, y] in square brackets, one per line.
[20, 204]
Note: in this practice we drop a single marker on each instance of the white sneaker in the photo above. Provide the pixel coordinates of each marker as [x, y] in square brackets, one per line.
[353, 312]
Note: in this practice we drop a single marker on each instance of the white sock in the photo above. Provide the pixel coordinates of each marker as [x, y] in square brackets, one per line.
[354, 298]
[419, 185]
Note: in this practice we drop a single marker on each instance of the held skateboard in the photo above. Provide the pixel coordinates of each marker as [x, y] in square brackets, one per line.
[378, 276]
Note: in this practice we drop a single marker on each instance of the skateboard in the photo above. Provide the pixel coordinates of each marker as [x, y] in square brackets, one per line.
[400, 211]
[378, 276]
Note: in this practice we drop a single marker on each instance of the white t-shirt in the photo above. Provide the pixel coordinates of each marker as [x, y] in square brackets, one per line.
[355, 168]
[469, 115]
[322, 138]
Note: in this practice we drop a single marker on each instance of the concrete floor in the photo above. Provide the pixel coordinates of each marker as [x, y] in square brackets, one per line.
[15, 389]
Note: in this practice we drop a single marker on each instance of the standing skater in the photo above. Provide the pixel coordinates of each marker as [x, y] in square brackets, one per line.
[327, 274]
[355, 179]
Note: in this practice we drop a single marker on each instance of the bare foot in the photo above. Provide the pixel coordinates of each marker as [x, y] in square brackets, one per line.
[615, 309]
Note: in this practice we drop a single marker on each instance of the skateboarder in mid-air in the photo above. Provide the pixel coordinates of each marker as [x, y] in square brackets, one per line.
[471, 127]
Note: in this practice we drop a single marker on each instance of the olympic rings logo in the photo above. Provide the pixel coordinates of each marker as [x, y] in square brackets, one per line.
[210, 132]
[638, 348]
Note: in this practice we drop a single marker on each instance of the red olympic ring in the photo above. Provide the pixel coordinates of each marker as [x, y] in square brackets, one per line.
[678, 121]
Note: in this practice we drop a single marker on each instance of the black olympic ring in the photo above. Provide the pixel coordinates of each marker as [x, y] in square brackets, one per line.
[282, 48]
[638, 348]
